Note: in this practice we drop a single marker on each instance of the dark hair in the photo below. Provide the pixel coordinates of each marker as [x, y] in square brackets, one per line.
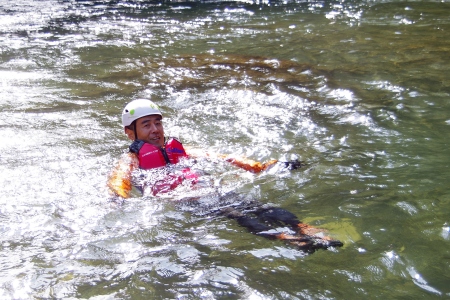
[132, 126]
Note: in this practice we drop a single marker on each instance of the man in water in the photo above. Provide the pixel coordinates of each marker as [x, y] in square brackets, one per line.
[142, 121]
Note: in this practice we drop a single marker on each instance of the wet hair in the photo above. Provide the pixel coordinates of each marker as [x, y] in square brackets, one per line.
[132, 126]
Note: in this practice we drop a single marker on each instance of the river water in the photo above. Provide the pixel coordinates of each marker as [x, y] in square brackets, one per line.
[357, 89]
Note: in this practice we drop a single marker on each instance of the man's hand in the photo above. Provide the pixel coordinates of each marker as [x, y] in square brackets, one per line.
[293, 164]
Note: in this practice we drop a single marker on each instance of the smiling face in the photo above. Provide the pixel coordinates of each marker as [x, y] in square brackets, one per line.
[148, 129]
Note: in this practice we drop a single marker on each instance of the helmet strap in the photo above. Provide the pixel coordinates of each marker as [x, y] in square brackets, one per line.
[134, 129]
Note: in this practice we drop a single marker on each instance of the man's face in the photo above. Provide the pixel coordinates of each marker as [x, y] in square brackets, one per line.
[150, 129]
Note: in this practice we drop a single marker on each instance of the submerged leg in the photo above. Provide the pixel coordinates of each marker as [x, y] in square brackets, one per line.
[322, 241]
[276, 215]
[252, 224]
[259, 224]
[306, 238]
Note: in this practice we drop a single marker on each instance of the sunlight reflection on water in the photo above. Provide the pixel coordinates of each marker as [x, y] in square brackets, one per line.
[357, 89]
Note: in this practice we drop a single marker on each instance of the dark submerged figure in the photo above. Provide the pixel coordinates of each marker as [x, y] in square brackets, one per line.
[261, 219]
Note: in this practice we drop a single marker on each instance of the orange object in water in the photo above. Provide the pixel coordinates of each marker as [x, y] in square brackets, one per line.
[120, 179]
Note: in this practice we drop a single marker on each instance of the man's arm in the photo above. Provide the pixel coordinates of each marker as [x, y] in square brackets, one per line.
[248, 164]
[119, 180]
[241, 162]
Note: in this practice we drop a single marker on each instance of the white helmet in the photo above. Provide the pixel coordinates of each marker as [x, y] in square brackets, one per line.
[137, 109]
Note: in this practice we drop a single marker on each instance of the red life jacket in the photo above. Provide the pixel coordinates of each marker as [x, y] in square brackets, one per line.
[151, 156]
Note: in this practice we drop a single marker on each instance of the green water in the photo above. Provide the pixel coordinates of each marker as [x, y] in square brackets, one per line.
[357, 89]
